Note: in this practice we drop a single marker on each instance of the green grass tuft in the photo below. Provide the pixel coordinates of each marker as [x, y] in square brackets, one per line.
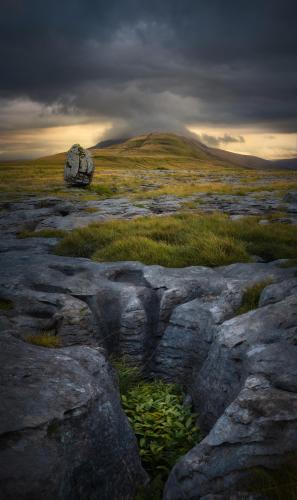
[181, 240]
[251, 297]
[91, 210]
[102, 190]
[47, 338]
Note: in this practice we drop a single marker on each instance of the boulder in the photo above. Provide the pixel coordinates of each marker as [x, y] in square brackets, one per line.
[79, 167]
[63, 432]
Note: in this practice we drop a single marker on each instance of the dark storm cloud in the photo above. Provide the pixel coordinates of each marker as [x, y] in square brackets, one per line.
[150, 64]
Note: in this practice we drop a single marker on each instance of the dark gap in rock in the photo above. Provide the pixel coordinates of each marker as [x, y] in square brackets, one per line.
[105, 308]
[67, 270]
[131, 276]
[40, 314]
[40, 287]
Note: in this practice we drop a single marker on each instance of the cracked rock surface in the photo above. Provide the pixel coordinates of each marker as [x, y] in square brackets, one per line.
[38, 213]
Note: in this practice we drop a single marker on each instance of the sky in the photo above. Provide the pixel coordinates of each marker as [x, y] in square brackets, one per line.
[87, 70]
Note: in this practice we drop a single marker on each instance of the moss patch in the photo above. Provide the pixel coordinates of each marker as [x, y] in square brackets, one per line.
[91, 210]
[44, 339]
[43, 233]
[103, 190]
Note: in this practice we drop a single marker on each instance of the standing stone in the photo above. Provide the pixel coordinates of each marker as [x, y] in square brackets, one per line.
[79, 167]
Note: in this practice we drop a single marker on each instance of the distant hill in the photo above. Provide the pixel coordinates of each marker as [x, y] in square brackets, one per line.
[290, 163]
[172, 144]
[253, 161]
[150, 148]
[160, 144]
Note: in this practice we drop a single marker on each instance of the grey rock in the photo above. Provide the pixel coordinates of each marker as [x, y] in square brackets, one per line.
[188, 336]
[246, 395]
[185, 342]
[63, 432]
[216, 384]
[277, 292]
[33, 312]
[255, 272]
[79, 167]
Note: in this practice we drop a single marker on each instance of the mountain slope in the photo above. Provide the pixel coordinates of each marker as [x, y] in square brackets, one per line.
[175, 145]
[161, 144]
[149, 149]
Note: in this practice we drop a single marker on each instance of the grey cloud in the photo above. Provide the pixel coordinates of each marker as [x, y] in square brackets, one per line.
[216, 141]
[148, 65]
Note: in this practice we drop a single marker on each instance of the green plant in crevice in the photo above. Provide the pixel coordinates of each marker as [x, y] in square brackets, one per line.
[128, 375]
[251, 297]
[164, 427]
[46, 338]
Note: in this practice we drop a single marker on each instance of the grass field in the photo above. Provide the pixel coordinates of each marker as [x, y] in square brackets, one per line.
[181, 240]
[166, 164]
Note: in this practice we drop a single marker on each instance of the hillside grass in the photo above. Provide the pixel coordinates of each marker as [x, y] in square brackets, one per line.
[191, 188]
[181, 240]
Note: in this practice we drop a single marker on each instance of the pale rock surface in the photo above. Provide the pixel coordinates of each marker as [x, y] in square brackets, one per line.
[79, 167]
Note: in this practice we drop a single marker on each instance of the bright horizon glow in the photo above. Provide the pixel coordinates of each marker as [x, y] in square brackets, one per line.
[256, 142]
[38, 142]
[35, 143]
